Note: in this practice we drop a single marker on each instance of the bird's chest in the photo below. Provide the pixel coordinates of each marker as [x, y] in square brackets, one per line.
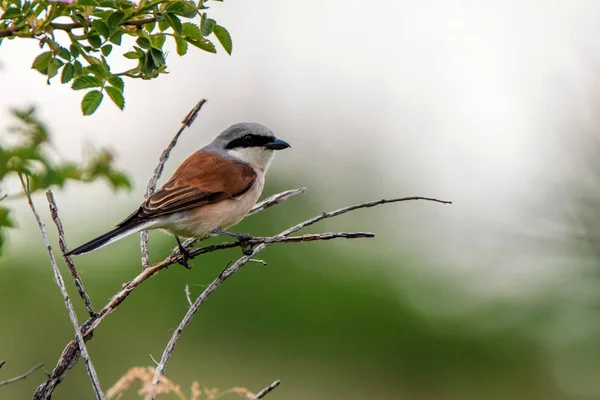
[202, 221]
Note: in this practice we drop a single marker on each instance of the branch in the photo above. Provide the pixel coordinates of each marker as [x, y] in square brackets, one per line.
[230, 270]
[63, 290]
[70, 354]
[267, 390]
[19, 377]
[186, 123]
[73, 25]
[63, 248]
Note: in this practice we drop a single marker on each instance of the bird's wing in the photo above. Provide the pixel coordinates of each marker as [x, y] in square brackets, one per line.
[203, 178]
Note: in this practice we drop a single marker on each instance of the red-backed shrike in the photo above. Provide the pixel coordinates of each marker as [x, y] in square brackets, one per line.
[212, 189]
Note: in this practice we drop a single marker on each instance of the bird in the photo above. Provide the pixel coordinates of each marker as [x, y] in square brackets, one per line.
[212, 190]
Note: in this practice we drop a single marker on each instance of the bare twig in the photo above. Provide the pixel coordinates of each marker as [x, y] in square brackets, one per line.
[61, 285]
[186, 123]
[63, 248]
[160, 369]
[70, 354]
[2, 363]
[275, 199]
[19, 377]
[267, 390]
[188, 295]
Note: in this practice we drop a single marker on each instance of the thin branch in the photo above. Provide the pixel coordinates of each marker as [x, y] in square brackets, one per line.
[61, 285]
[267, 390]
[20, 377]
[74, 25]
[226, 273]
[70, 354]
[151, 187]
[63, 248]
[275, 199]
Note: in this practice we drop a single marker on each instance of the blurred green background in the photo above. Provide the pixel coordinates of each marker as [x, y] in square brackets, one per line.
[493, 105]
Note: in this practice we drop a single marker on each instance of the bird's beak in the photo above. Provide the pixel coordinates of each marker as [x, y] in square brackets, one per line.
[277, 144]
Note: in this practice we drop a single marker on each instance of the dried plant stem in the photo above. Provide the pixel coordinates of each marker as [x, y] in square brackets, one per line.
[68, 260]
[230, 270]
[151, 187]
[267, 390]
[61, 285]
[20, 377]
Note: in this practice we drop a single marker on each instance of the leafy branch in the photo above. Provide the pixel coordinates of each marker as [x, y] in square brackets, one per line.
[97, 27]
[32, 154]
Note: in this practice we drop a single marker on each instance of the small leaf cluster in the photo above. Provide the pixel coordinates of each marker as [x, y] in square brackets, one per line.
[32, 155]
[80, 51]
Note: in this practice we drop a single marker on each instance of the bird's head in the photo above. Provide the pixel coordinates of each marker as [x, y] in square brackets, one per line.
[249, 142]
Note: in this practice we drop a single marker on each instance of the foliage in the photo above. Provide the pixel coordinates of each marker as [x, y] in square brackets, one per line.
[33, 155]
[80, 50]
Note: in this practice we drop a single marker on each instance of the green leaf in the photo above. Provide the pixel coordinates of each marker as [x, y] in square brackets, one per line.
[157, 40]
[206, 25]
[224, 38]
[157, 57]
[116, 37]
[191, 31]
[163, 25]
[149, 27]
[116, 96]
[41, 62]
[144, 43]
[116, 82]
[91, 101]
[86, 81]
[67, 73]
[100, 70]
[106, 49]
[101, 28]
[115, 19]
[184, 8]
[74, 50]
[203, 44]
[132, 55]
[182, 45]
[95, 41]
[12, 13]
[5, 219]
[64, 54]
[174, 22]
[78, 68]
[53, 65]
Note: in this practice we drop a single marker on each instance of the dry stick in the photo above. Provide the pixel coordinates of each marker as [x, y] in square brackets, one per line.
[68, 304]
[267, 390]
[227, 272]
[20, 377]
[70, 354]
[186, 123]
[63, 248]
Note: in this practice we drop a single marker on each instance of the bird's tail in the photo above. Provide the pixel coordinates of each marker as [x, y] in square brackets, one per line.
[109, 237]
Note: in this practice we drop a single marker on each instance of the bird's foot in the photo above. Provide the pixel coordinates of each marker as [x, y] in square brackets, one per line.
[243, 238]
[184, 255]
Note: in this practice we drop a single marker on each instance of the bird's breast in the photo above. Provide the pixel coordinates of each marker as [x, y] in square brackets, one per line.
[201, 221]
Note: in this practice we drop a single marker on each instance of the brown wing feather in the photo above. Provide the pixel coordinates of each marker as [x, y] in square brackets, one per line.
[203, 178]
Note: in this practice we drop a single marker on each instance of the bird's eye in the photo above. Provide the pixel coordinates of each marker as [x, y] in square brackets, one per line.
[248, 139]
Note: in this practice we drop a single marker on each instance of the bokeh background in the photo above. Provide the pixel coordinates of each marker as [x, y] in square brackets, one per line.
[493, 105]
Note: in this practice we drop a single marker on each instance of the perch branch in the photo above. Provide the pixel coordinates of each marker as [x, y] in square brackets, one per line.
[267, 390]
[61, 284]
[230, 270]
[186, 123]
[63, 248]
[70, 354]
[19, 377]
[73, 25]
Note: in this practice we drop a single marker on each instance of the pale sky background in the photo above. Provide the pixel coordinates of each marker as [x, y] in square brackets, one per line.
[462, 100]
